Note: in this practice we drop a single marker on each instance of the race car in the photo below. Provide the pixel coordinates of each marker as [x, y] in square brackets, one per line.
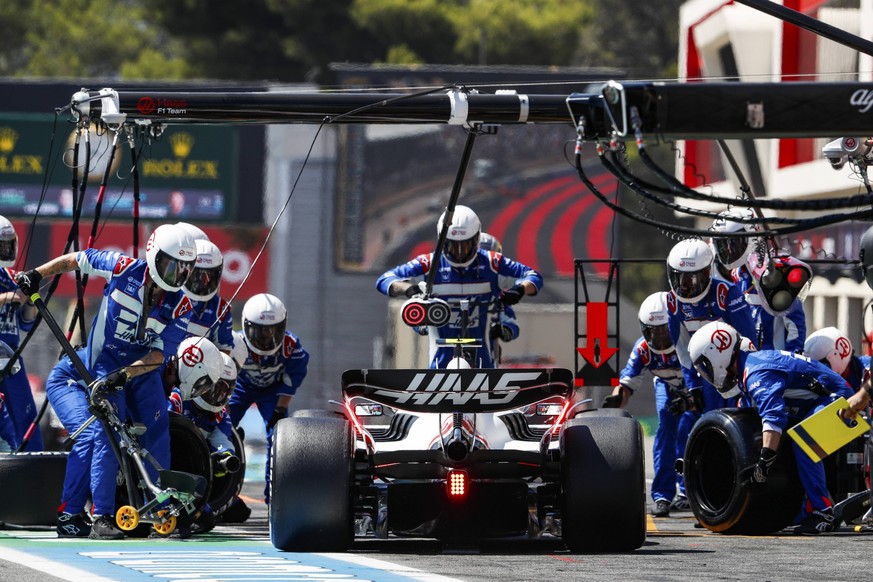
[459, 455]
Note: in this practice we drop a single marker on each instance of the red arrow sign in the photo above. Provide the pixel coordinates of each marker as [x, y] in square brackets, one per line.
[596, 352]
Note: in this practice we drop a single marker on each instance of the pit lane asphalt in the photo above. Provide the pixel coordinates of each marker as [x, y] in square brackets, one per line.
[674, 550]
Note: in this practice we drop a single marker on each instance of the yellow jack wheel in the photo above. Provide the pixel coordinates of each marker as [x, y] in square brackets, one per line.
[127, 518]
[167, 527]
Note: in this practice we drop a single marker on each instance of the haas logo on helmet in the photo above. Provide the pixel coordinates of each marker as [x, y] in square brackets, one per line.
[150, 242]
[192, 356]
[721, 339]
[844, 348]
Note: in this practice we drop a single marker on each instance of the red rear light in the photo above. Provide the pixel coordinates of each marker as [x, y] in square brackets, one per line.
[456, 484]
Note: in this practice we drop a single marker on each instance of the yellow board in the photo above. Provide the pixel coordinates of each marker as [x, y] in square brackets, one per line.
[825, 432]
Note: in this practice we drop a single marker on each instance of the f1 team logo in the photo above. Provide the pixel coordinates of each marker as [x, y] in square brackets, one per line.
[844, 348]
[721, 339]
[192, 356]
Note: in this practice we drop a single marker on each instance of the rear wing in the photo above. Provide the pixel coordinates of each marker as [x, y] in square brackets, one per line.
[475, 390]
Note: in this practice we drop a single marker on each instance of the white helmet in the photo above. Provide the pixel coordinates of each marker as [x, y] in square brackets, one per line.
[689, 270]
[170, 254]
[202, 284]
[263, 319]
[198, 362]
[462, 240]
[829, 346]
[8, 243]
[732, 252]
[713, 349]
[653, 323]
[195, 231]
[239, 352]
[216, 396]
[488, 242]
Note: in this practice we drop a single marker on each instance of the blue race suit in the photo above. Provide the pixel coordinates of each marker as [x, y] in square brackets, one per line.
[263, 379]
[67, 393]
[204, 315]
[16, 388]
[774, 332]
[481, 282]
[778, 383]
[857, 371]
[672, 432]
[121, 334]
[215, 427]
[723, 302]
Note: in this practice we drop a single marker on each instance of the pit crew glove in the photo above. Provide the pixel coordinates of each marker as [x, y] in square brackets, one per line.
[501, 332]
[762, 468]
[116, 380]
[681, 401]
[28, 281]
[612, 401]
[512, 295]
[278, 414]
[413, 291]
[420, 329]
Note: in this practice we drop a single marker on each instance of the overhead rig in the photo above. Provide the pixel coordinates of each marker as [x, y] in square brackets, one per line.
[721, 110]
[608, 117]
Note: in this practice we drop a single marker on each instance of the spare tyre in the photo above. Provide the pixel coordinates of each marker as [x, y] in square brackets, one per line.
[32, 484]
[721, 448]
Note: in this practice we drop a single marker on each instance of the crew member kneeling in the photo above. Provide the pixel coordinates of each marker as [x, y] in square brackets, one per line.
[786, 388]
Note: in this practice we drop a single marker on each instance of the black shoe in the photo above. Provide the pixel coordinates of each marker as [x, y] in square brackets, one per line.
[205, 522]
[237, 512]
[73, 525]
[104, 528]
[818, 522]
[661, 509]
[680, 504]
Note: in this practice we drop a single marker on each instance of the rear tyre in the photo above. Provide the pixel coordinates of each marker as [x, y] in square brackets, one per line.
[723, 444]
[31, 485]
[311, 477]
[603, 483]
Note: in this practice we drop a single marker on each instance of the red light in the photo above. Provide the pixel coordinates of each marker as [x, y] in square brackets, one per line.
[456, 484]
[797, 277]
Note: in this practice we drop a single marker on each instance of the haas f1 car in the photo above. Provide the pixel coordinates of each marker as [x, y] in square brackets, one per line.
[458, 455]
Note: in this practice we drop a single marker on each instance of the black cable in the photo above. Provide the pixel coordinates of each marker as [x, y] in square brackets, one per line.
[699, 232]
[615, 167]
[677, 188]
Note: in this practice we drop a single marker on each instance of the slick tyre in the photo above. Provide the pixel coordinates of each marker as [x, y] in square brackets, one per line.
[226, 488]
[311, 479]
[722, 446]
[31, 486]
[603, 498]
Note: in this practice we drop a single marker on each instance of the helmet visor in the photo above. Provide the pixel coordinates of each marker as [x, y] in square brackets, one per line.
[461, 251]
[172, 271]
[266, 338]
[689, 284]
[729, 250]
[658, 337]
[204, 281]
[219, 394]
[704, 368]
[201, 385]
[7, 250]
